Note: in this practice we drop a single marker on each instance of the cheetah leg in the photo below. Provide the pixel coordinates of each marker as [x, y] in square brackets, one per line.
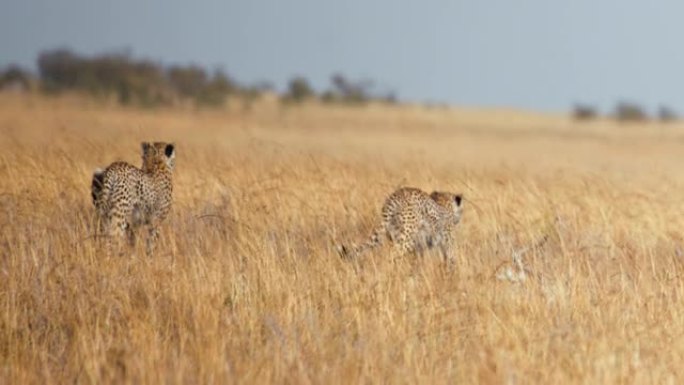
[447, 251]
[403, 245]
[152, 236]
[103, 235]
[118, 221]
[424, 242]
[100, 227]
[114, 233]
[130, 233]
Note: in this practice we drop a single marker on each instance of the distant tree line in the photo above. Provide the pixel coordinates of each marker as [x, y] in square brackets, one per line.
[132, 81]
[624, 112]
[341, 90]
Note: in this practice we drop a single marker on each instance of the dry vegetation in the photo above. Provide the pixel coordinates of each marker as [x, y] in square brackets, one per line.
[247, 287]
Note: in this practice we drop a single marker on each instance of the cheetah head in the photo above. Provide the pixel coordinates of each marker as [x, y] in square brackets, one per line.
[450, 201]
[158, 153]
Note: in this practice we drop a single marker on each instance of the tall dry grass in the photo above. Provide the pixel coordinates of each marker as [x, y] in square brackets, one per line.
[246, 286]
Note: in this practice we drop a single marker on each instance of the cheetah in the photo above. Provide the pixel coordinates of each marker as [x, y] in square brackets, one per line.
[415, 221]
[127, 197]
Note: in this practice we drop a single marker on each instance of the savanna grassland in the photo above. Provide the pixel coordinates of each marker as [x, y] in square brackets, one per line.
[246, 285]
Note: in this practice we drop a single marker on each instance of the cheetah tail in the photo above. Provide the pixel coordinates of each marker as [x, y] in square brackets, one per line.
[97, 185]
[373, 241]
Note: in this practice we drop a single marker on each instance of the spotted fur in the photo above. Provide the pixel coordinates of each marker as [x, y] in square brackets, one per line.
[127, 197]
[414, 221]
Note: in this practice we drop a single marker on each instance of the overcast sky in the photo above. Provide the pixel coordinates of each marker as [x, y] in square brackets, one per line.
[535, 54]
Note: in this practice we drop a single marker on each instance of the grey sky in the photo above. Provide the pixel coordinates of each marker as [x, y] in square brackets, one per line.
[537, 54]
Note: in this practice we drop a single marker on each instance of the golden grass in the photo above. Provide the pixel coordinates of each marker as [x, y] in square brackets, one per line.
[246, 286]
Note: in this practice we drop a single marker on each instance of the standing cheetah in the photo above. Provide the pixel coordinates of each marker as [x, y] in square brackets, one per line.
[127, 197]
[413, 221]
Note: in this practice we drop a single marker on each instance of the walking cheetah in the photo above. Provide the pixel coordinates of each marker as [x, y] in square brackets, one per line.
[414, 221]
[127, 197]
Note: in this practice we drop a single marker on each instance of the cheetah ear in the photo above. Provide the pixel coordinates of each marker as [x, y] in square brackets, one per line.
[169, 150]
[458, 198]
[434, 194]
[145, 146]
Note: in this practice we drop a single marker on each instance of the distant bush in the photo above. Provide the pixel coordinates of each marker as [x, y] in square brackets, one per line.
[187, 81]
[584, 112]
[58, 70]
[298, 90]
[665, 114]
[15, 78]
[390, 98]
[193, 83]
[630, 112]
[217, 89]
[251, 93]
[346, 91]
[359, 92]
[330, 97]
